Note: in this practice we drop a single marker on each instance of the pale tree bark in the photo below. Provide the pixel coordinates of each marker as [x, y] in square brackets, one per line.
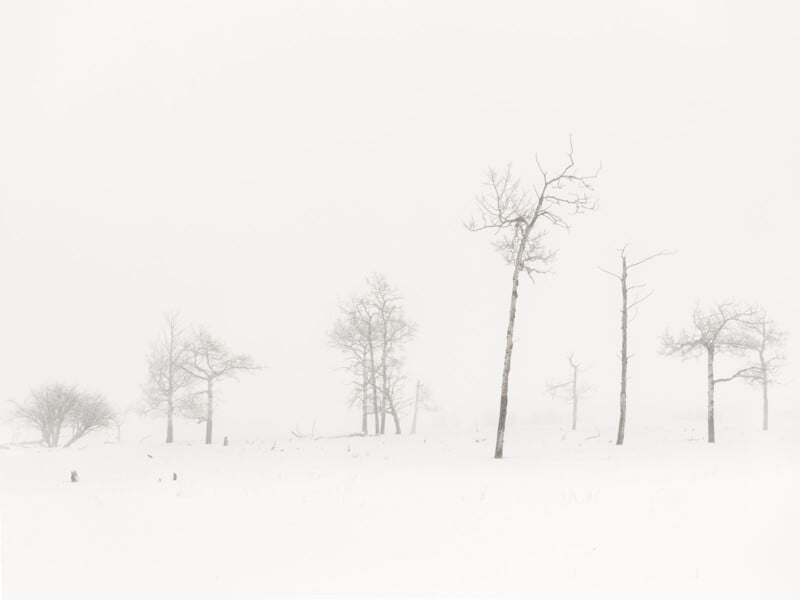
[209, 410]
[166, 378]
[416, 410]
[513, 214]
[722, 328]
[209, 361]
[767, 342]
[710, 392]
[628, 304]
[623, 384]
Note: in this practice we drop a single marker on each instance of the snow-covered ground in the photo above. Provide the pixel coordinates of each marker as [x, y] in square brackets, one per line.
[413, 516]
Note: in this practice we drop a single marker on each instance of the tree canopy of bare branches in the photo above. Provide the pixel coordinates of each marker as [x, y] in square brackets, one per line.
[166, 378]
[518, 217]
[628, 304]
[767, 344]
[208, 360]
[372, 332]
[723, 328]
[51, 407]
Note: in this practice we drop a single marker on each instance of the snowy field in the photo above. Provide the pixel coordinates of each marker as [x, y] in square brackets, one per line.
[414, 516]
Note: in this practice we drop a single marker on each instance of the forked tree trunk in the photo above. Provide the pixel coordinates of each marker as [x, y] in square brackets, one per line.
[210, 412]
[395, 417]
[623, 382]
[710, 367]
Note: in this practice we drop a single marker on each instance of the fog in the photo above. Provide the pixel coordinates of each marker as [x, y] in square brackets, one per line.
[250, 165]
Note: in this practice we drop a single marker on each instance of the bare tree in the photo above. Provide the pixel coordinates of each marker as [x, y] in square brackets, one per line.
[394, 332]
[209, 360]
[166, 377]
[422, 401]
[716, 330]
[628, 304]
[53, 406]
[353, 335]
[516, 216]
[572, 386]
[91, 413]
[767, 342]
[372, 333]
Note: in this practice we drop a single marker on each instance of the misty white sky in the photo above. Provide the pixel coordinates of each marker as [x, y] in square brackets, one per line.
[249, 163]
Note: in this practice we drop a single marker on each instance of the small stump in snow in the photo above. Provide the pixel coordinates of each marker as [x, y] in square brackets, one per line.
[73, 476]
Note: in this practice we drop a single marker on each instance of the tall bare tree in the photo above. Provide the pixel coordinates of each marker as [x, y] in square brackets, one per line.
[353, 335]
[719, 329]
[394, 332]
[166, 377]
[517, 216]
[571, 385]
[628, 304]
[767, 343]
[208, 360]
[372, 332]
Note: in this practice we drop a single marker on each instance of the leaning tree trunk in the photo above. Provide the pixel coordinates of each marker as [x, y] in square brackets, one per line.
[710, 352]
[512, 315]
[210, 412]
[623, 380]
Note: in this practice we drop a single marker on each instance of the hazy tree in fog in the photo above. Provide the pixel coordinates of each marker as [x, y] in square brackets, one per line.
[166, 377]
[628, 304]
[767, 342]
[52, 407]
[518, 217]
[91, 413]
[394, 331]
[570, 386]
[717, 330]
[208, 360]
[422, 401]
[372, 332]
[354, 335]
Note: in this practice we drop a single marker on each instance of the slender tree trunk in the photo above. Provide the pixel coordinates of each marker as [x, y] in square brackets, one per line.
[710, 352]
[210, 412]
[574, 397]
[373, 380]
[170, 411]
[364, 403]
[416, 408]
[623, 383]
[512, 315]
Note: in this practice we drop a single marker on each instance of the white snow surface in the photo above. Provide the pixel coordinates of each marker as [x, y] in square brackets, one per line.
[562, 516]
